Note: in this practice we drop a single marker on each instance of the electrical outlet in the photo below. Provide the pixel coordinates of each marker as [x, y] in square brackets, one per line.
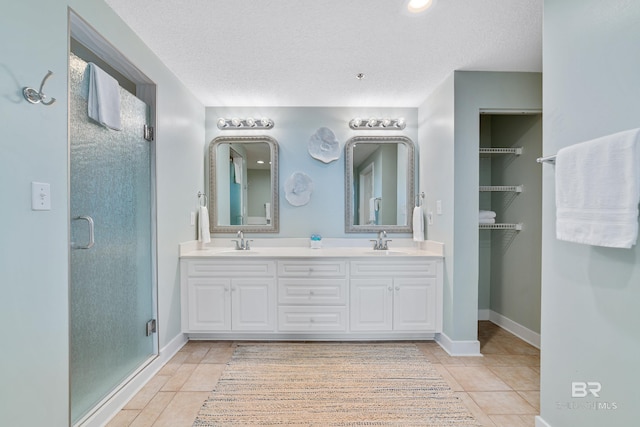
[430, 218]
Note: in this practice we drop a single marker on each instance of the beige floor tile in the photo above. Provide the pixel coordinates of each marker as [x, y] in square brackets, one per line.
[532, 397]
[144, 396]
[529, 420]
[475, 410]
[181, 376]
[477, 378]
[182, 410]
[444, 372]
[153, 410]
[502, 403]
[218, 355]
[492, 347]
[518, 377]
[517, 346]
[204, 377]
[508, 421]
[123, 418]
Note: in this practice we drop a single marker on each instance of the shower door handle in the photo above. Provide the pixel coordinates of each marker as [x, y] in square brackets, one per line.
[91, 234]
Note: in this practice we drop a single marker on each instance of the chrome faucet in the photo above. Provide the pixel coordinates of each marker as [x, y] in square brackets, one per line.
[382, 243]
[241, 243]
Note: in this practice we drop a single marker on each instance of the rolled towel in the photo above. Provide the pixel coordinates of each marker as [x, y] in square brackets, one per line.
[486, 214]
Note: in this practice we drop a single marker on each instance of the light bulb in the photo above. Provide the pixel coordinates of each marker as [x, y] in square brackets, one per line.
[372, 122]
[251, 122]
[222, 123]
[417, 6]
[385, 122]
[400, 123]
[236, 122]
[356, 122]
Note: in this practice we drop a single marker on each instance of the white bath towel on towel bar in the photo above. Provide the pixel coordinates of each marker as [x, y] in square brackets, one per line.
[598, 191]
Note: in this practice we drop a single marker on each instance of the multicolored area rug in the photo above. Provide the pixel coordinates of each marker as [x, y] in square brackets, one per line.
[332, 384]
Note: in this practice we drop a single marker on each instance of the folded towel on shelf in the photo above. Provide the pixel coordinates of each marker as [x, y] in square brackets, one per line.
[103, 101]
[418, 224]
[598, 191]
[204, 235]
[487, 214]
[487, 221]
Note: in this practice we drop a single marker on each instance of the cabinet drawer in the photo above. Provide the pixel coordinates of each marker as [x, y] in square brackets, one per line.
[316, 319]
[305, 291]
[395, 268]
[312, 268]
[209, 268]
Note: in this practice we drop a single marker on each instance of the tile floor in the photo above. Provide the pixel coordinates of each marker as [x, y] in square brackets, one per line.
[501, 389]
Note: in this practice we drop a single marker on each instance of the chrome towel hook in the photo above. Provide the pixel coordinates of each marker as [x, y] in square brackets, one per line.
[36, 96]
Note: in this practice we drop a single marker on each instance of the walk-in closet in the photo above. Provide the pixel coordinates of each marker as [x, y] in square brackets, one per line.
[509, 221]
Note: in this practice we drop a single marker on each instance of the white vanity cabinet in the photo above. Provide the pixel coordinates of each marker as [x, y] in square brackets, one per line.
[305, 294]
[396, 295]
[312, 295]
[219, 295]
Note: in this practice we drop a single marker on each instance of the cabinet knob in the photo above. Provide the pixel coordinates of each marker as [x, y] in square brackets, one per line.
[391, 288]
[311, 293]
[312, 320]
[226, 289]
[233, 289]
[397, 288]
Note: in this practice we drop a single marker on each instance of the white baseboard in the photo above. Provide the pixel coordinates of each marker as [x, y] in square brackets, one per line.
[117, 400]
[458, 348]
[540, 422]
[516, 329]
[483, 314]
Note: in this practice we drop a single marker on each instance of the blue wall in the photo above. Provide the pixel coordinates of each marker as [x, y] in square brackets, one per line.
[590, 295]
[34, 308]
[324, 214]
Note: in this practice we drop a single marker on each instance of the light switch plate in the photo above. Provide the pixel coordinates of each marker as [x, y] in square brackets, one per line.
[439, 207]
[40, 196]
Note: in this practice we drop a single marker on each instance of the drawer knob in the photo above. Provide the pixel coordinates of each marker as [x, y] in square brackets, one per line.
[311, 293]
[312, 320]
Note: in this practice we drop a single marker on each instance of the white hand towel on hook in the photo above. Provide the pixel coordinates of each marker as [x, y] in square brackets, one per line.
[598, 191]
[103, 102]
[418, 224]
[204, 235]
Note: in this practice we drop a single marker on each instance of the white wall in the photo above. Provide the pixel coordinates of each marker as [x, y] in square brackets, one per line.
[34, 246]
[324, 214]
[590, 295]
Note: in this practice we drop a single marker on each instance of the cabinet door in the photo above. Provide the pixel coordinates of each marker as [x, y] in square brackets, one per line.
[209, 304]
[371, 304]
[253, 304]
[414, 304]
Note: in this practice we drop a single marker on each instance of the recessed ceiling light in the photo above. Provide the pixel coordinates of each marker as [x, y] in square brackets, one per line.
[417, 6]
[260, 162]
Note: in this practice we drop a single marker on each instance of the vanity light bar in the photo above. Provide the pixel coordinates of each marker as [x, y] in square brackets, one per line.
[377, 124]
[248, 123]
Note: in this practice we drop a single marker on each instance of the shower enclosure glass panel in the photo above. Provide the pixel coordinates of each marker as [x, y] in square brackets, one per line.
[112, 289]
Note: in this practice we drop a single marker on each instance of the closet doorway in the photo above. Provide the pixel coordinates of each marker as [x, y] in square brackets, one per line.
[510, 220]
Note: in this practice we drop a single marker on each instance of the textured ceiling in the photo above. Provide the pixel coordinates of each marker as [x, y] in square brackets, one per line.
[308, 53]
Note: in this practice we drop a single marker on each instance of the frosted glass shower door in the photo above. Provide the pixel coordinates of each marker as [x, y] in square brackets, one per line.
[112, 281]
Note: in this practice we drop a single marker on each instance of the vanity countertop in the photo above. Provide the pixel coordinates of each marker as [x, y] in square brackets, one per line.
[299, 248]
